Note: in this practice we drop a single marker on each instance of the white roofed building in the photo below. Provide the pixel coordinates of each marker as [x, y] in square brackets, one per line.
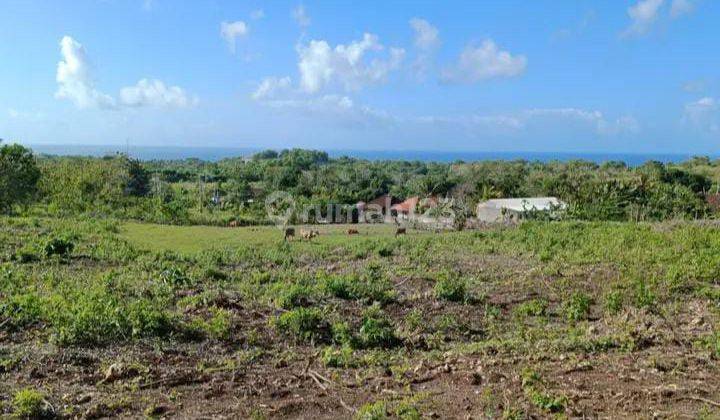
[513, 209]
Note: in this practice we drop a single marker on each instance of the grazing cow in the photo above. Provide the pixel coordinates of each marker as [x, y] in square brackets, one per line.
[289, 233]
[309, 234]
[234, 224]
[400, 231]
[353, 232]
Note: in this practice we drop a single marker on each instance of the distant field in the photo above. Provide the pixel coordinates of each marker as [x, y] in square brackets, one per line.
[191, 239]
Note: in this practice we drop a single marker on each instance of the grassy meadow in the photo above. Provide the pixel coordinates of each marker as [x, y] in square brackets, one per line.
[103, 318]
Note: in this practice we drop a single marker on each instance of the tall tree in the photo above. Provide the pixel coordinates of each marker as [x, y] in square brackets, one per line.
[19, 176]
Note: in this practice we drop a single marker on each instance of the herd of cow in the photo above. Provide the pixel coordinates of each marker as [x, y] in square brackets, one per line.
[308, 234]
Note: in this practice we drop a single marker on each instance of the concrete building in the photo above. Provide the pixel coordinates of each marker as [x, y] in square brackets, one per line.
[504, 210]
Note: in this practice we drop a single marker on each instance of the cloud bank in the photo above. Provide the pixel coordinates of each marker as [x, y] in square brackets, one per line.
[76, 85]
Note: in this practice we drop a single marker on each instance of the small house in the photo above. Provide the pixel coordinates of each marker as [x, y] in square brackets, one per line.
[406, 208]
[503, 210]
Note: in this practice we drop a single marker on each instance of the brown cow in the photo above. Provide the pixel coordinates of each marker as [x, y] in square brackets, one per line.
[353, 232]
[234, 224]
[400, 231]
[309, 234]
[289, 233]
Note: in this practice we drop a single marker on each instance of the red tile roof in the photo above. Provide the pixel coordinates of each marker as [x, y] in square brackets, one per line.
[406, 206]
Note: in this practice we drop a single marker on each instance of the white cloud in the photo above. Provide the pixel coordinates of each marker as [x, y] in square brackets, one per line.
[336, 109]
[681, 7]
[621, 125]
[76, 85]
[257, 14]
[29, 116]
[155, 93]
[505, 123]
[301, 16]
[230, 31]
[703, 114]
[74, 79]
[321, 65]
[426, 35]
[643, 14]
[427, 40]
[486, 61]
[270, 86]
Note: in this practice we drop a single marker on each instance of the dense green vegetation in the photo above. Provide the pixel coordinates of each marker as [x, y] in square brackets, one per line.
[197, 192]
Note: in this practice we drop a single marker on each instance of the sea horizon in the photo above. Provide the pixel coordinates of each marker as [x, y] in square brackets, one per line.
[215, 153]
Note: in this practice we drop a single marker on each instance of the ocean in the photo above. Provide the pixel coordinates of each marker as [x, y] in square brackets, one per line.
[218, 153]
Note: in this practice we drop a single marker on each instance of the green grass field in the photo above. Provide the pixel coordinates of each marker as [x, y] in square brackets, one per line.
[192, 239]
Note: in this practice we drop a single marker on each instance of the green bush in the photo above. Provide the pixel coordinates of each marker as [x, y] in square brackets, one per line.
[293, 295]
[369, 287]
[61, 246]
[577, 307]
[27, 254]
[644, 295]
[22, 309]
[613, 301]
[341, 357]
[376, 330]
[533, 307]
[97, 317]
[30, 404]
[218, 325]
[451, 287]
[373, 411]
[303, 323]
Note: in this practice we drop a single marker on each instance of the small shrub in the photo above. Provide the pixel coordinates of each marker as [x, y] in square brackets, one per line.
[577, 307]
[175, 277]
[303, 323]
[61, 246]
[338, 357]
[644, 296]
[548, 402]
[339, 286]
[532, 385]
[712, 343]
[534, 307]
[27, 254]
[371, 288]
[376, 330]
[218, 326]
[373, 411]
[292, 296]
[30, 404]
[341, 333]
[214, 274]
[22, 310]
[451, 288]
[97, 317]
[614, 302]
[385, 250]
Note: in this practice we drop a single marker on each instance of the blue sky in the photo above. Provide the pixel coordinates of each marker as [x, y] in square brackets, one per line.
[501, 75]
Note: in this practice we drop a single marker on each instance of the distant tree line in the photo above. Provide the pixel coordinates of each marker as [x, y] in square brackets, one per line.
[195, 191]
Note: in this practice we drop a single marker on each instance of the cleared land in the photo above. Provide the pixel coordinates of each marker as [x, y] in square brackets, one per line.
[582, 319]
